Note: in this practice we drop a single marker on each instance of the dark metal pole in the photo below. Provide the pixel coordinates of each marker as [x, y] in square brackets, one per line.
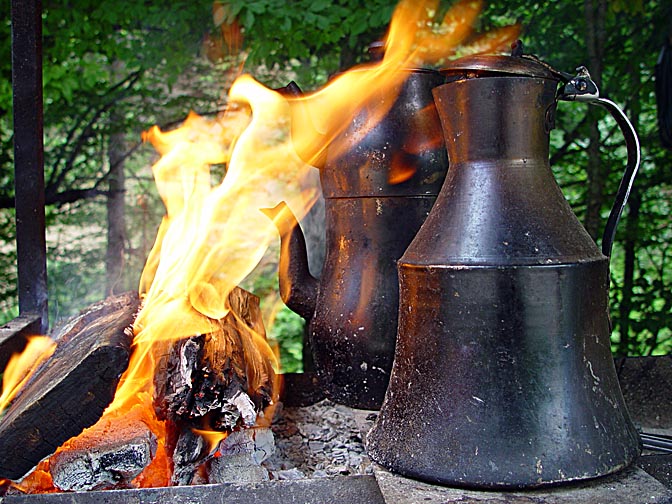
[29, 158]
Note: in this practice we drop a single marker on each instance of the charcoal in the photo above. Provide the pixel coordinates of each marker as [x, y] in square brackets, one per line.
[98, 462]
[190, 452]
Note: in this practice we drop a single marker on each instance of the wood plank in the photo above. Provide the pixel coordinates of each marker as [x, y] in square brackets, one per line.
[71, 389]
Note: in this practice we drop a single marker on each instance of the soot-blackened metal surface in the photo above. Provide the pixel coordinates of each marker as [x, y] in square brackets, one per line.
[503, 375]
[379, 181]
[521, 393]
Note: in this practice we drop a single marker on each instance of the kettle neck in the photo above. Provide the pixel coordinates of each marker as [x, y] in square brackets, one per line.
[496, 118]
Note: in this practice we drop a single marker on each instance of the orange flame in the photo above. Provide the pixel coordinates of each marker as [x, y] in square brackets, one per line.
[415, 39]
[212, 237]
[21, 367]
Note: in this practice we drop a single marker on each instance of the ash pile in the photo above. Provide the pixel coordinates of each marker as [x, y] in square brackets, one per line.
[317, 441]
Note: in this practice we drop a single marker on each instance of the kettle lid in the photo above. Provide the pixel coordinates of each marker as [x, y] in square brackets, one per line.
[493, 66]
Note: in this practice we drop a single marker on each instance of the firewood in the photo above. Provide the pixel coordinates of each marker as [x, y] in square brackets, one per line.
[218, 381]
[14, 334]
[70, 390]
[190, 452]
[238, 458]
[108, 455]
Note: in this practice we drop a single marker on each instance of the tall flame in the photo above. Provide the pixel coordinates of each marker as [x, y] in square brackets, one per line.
[415, 39]
[212, 237]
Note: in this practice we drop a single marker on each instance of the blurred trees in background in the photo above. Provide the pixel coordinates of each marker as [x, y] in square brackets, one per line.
[112, 69]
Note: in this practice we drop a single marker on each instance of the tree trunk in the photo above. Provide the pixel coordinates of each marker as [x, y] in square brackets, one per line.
[116, 219]
[630, 246]
[594, 11]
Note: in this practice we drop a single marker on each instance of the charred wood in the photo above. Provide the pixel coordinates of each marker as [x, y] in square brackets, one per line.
[221, 380]
[190, 452]
[70, 390]
[104, 457]
[238, 458]
[14, 334]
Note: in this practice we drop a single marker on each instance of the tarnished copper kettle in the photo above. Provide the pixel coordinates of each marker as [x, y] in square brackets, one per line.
[503, 375]
[371, 218]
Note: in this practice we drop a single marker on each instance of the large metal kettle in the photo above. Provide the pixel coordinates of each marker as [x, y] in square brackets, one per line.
[503, 375]
[378, 190]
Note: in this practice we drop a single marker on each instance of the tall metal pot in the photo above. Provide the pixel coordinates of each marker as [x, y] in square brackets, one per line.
[503, 375]
[371, 217]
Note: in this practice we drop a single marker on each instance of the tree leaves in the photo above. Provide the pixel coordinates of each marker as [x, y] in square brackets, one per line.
[277, 31]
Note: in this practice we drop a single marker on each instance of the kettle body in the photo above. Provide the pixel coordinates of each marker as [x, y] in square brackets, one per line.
[503, 375]
[379, 181]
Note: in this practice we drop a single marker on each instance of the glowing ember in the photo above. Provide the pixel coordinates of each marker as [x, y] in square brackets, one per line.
[213, 235]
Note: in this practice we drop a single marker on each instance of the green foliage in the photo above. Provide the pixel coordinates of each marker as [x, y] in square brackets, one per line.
[107, 67]
[8, 273]
[641, 311]
[288, 331]
[316, 38]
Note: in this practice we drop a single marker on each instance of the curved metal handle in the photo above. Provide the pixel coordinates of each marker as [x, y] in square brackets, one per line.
[631, 168]
[582, 88]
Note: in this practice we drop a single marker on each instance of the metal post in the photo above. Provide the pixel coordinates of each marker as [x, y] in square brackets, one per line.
[29, 158]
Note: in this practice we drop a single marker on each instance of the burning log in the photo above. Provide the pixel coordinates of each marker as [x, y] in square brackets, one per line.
[13, 336]
[236, 459]
[71, 390]
[190, 452]
[218, 381]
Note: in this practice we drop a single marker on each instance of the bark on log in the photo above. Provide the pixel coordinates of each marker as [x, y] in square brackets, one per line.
[71, 390]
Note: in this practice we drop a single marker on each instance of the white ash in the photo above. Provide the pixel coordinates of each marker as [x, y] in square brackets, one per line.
[318, 441]
[245, 407]
[240, 455]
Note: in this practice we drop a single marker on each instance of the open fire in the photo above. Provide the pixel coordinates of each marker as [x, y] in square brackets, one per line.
[214, 234]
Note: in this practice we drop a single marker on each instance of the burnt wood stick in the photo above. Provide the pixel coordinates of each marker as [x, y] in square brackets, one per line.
[219, 380]
[70, 391]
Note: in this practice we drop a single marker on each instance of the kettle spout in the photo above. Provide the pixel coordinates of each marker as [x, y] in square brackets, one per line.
[298, 288]
[309, 144]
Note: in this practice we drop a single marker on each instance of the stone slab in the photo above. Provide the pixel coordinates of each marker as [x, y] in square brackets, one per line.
[658, 466]
[646, 383]
[632, 486]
